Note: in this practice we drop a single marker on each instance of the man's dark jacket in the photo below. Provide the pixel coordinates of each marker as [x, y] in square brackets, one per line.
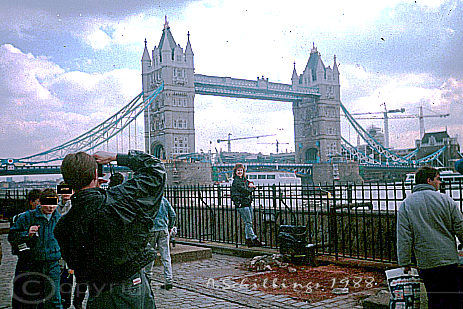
[104, 237]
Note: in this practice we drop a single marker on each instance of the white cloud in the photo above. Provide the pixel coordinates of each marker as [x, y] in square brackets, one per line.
[97, 38]
[25, 77]
[45, 106]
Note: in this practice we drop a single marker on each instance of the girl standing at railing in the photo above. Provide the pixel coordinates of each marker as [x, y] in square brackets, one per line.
[241, 195]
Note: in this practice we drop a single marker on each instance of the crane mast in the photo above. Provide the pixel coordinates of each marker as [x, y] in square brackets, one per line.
[421, 119]
[386, 123]
[386, 120]
[277, 143]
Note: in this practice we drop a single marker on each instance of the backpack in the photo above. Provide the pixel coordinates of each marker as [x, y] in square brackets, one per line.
[16, 249]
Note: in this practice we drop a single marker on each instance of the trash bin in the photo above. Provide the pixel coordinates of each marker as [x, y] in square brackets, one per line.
[293, 244]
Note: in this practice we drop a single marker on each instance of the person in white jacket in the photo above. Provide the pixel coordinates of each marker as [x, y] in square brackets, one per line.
[428, 223]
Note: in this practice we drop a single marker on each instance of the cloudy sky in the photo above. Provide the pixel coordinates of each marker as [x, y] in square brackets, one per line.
[66, 66]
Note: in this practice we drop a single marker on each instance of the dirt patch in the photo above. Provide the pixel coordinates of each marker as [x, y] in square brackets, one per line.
[312, 284]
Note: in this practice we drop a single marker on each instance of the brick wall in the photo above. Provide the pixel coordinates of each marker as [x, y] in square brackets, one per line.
[188, 173]
[325, 172]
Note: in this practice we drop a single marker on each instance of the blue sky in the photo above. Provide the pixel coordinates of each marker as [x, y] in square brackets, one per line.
[66, 66]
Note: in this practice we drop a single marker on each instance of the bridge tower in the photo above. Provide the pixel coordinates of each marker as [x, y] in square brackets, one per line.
[317, 125]
[169, 121]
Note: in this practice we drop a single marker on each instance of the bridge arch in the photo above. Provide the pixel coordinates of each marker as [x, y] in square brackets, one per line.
[158, 150]
[311, 155]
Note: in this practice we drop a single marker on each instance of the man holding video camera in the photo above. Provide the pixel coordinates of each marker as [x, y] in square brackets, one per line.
[37, 274]
[105, 236]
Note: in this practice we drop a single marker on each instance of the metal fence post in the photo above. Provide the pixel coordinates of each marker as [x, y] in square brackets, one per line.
[236, 226]
[219, 196]
[333, 223]
[349, 194]
[198, 212]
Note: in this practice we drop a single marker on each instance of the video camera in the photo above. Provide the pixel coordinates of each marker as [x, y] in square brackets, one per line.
[64, 189]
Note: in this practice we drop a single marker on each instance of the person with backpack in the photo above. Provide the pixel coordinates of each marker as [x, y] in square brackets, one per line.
[37, 274]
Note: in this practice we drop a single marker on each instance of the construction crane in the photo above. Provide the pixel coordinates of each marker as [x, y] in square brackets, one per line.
[277, 143]
[386, 120]
[228, 140]
[420, 116]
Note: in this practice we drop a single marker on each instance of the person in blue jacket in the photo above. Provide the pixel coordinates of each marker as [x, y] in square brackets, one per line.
[37, 275]
[163, 225]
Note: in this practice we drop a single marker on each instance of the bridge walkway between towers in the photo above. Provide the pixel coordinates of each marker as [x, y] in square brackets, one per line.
[261, 89]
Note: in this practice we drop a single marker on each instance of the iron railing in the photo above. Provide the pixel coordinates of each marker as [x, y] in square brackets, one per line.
[342, 219]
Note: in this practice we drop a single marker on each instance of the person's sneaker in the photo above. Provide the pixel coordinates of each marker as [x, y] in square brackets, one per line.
[167, 286]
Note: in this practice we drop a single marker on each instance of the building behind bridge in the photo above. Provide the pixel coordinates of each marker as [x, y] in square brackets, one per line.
[434, 141]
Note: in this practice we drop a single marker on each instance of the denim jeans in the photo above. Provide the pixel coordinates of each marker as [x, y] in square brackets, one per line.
[133, 293]
[246, 216]
[35, 283]
[161, 239]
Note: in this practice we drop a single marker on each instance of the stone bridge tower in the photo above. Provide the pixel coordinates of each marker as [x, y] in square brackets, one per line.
[317, 125]
[169, 121]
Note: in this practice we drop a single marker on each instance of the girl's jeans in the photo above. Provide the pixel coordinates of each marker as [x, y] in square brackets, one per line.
[246, 216]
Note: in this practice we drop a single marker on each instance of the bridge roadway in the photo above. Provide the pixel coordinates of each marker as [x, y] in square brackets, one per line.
[11, 170]
[370, 171]
[191, 289]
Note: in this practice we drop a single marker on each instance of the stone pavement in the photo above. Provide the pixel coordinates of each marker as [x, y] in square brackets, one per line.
[197, 284]
[208, 284]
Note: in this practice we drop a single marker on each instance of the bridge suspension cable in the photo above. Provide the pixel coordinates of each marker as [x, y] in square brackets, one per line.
[432, 157]
[99, 134]
[359, 155]
[390, 156]
[412, 154]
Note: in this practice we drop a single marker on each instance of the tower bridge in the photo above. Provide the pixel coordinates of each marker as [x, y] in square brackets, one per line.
[167, 102]
[169, 122]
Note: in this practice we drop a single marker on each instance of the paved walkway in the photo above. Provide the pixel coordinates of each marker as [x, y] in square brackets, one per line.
[198, 284]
